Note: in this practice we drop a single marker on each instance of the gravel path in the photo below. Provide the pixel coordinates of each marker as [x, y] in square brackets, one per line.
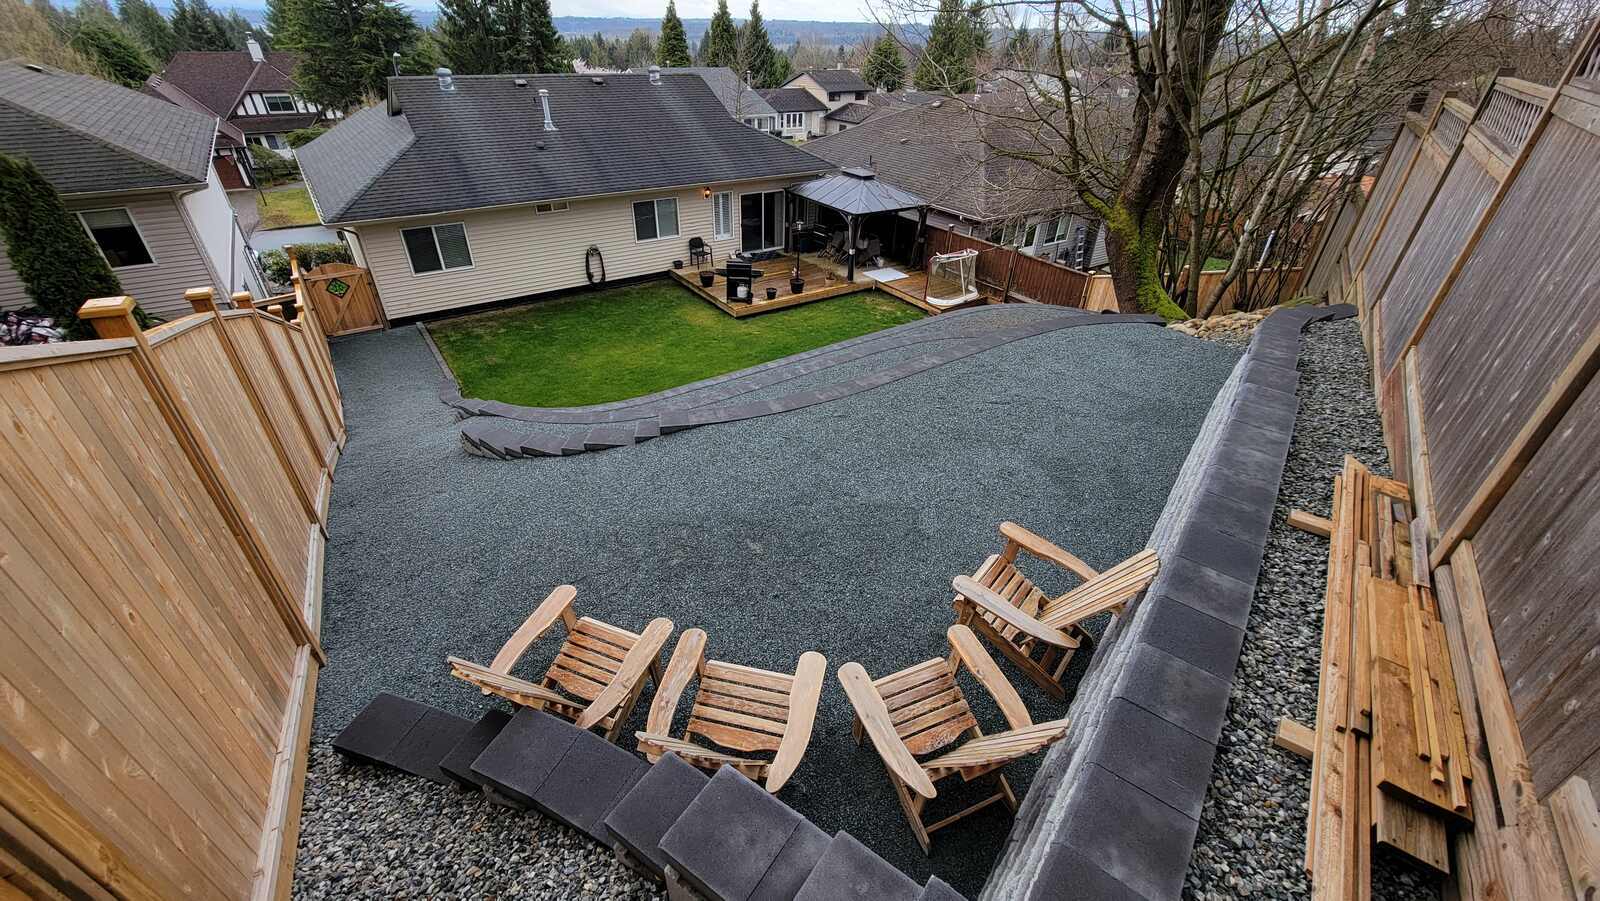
[1251, 841]
[836, 528]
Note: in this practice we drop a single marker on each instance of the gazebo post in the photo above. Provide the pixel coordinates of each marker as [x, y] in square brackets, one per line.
[919, 243]
[850, 249]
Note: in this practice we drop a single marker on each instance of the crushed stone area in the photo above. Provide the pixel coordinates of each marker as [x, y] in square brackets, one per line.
[1251, 841]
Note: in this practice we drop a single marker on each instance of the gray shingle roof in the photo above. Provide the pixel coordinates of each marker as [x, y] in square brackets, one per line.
[480, 145]
[854, 113]
[835, 79]
[856, 192]
[739, 100]
[88, 135]
[943, 152]
[792, 100]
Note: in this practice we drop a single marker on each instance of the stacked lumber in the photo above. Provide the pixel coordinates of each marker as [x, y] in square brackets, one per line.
[1389, 755]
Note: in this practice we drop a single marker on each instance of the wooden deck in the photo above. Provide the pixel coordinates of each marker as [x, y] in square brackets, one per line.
[814, 269]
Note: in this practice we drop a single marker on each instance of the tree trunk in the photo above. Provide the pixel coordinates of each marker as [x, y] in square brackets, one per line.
[1136, 219]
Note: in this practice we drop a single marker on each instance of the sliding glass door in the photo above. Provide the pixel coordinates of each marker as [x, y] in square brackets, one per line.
[761, 221]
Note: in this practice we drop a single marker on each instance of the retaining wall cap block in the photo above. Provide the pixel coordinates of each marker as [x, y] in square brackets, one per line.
[458, 763]
[939, 890]
[730, 835]
[588, 781]
[1208, 591]
[1128, 835]
[850, 871]
[1170, 763]
[648, 810]
[1230, 555]
[1179, 692]
[519, 759]
[1193, 636]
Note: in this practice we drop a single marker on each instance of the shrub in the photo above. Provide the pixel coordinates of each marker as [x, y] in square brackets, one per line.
[57, 262]
[270, 168]
[275, 263]
[300, 137]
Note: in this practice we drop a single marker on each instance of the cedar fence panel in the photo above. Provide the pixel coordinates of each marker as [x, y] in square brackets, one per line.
[1487, 335]
[1285, 285]
[158, 647]
[1027, 276]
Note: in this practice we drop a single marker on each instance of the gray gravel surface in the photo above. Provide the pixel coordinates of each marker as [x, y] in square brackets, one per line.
[1251, 841]
[836, 528]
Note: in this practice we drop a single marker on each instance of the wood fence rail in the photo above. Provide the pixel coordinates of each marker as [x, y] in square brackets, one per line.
[1474, 267]
[163, 507]
[1006, 271]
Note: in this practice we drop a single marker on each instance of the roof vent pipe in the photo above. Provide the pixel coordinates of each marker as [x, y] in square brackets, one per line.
[447, 82]
[655, 74]
[544, 101]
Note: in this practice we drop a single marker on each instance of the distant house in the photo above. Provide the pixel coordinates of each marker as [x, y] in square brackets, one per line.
[833, 87]
[741, 101]
[137, 173]
[800, 114]
[468, 190]
[877, 103]
[252, 90]
[943, 151]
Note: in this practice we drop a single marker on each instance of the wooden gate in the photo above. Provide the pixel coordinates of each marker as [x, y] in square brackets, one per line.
[346, 296]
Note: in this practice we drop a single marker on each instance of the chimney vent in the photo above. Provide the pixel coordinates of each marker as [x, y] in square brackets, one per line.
[520, 82]
[655, 74]
[447, 82]
[597, 80]
[254, 46]
[544, 101]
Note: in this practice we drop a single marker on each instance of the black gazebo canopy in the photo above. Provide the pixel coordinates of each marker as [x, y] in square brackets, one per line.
[855, 193]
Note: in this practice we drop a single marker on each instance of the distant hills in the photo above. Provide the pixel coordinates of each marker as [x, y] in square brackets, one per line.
[783, 32]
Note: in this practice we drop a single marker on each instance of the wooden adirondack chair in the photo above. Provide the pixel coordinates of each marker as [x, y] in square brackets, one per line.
[736, 707]
[921, 710]
[1039, 633]
[596, 677]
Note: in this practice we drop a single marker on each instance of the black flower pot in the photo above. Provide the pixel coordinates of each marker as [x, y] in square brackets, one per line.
[706, 278]
[796, 285]
[677, 264]
[772, 293]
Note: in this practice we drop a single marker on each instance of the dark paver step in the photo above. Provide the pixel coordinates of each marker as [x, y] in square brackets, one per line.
[650, 808]
[850, 871]
[602, 437]
[939, 890]
[404, 734]
[736, 842]
[458, 763]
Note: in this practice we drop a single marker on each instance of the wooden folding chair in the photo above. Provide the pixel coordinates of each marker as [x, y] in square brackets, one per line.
[921, 710]
[739, 708]
[596, 677]
[1039, 633]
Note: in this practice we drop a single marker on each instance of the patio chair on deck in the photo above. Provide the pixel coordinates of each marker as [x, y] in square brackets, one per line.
[736, 707]
[596, 677]
[1038, 633]
[921, 710]
[699, 250]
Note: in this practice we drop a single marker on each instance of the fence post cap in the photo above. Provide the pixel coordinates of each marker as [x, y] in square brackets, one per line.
[103, 307]
[203, 300]
[242, 300]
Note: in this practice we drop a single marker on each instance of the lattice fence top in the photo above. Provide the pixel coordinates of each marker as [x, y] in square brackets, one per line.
[1450, 127]
[1508, 119]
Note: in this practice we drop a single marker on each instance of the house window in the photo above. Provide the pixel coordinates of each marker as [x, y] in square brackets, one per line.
[279, 103]
[560, 207]
[722, 215]
[794, 120]
[274, 141]
[1031, 235]
[437, 247]
[1061, 228]
[861, 95]
[833, 96]
[119, 238]
[654, 219]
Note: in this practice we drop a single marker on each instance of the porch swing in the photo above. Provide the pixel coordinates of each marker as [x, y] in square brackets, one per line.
[952, 279]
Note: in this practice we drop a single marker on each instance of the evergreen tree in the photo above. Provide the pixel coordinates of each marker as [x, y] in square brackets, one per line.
[759, 57]
[150, 28]
[781, 69]
[673, 47]
[283, 20]
[58, 264]
[885, 67]
[949, 60]
[101, 39]
[468, 36]
[345, 47]
[93, 9]
[196, 26]
[238, 28]
[1022, 51]
[529, 41]
[721, 44]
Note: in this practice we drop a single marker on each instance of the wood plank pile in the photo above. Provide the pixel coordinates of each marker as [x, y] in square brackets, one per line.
[1389, 756]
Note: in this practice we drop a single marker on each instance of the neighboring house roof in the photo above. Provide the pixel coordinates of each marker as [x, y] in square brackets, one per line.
[943, 151]
[902, 99]
[740, 101]
[792, 100]
[484, 144]
[857, 192]
[218, 78]
[854, 113]
[834, 79]
[255, 125]
[88, 135]
[156, 86]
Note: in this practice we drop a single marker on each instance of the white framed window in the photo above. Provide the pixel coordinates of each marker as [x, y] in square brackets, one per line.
[436, 248]
[279, 103]
[558, 207]
[1030, 235]
[1061, 227]
[118, 237]
[722, 215]
[794, 120]
[274, 141]
[654, 219]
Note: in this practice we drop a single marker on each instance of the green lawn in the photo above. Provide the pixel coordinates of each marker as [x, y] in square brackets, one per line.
[624, 342]
[283, 207]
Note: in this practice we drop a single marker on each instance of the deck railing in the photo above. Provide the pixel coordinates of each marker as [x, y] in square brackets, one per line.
[165, 499]
[1007, 271]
